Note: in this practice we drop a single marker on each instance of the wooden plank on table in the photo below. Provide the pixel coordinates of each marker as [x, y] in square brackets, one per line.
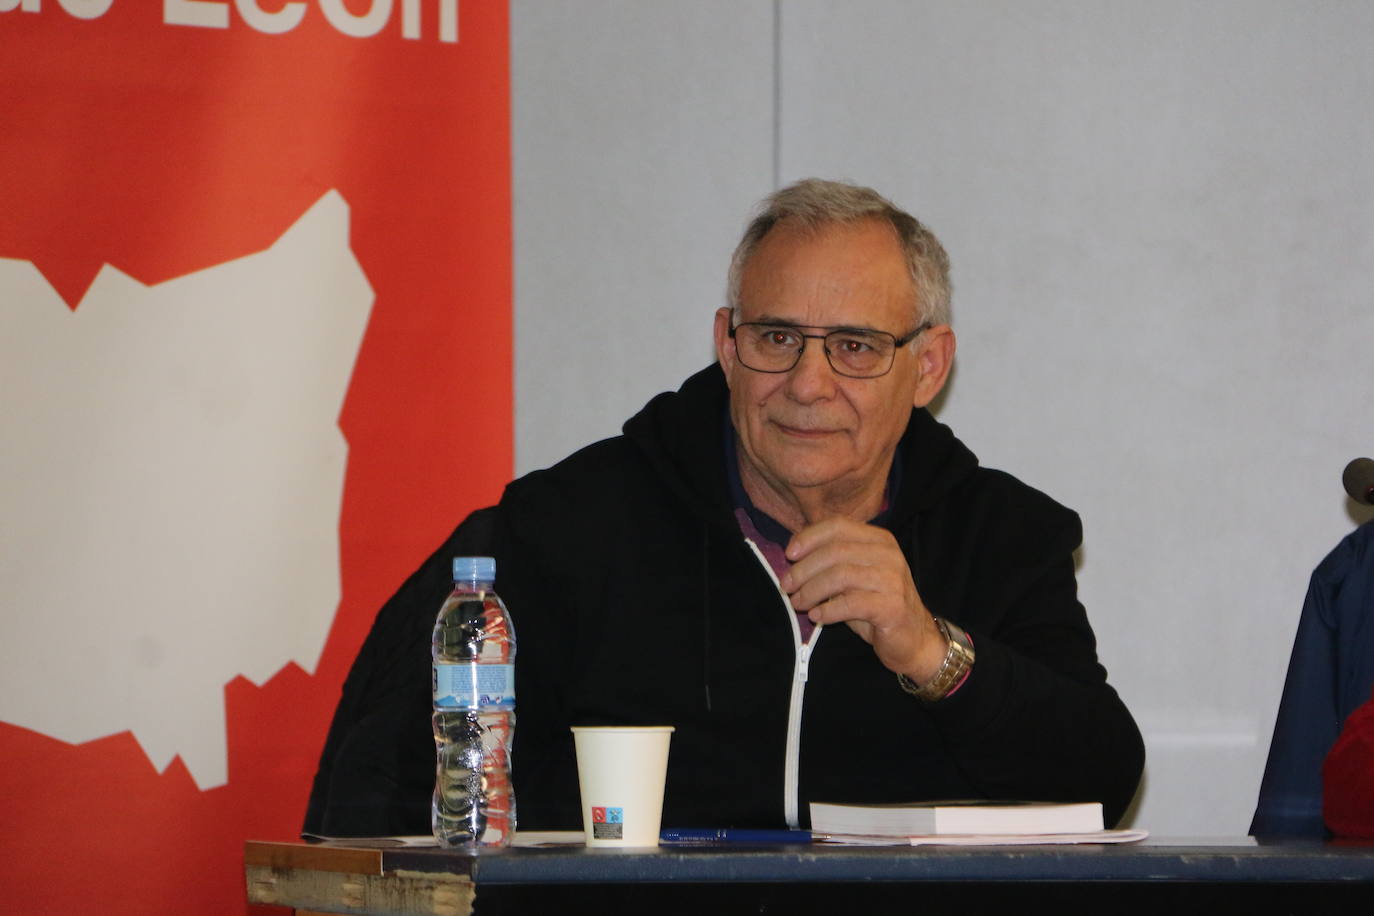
[315, 857]
[400, 893]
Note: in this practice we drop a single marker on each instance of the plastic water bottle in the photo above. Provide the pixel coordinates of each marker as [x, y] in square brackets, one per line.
[474, 711]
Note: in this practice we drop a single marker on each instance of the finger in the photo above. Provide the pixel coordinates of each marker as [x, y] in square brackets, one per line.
[845, 579]
[876, 554]
[848, 567]
[850, 606]
[836, 609]
[818, 568]
[832, 530]
[898, 644]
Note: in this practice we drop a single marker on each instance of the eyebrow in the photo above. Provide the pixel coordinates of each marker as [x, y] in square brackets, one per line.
[787, 323]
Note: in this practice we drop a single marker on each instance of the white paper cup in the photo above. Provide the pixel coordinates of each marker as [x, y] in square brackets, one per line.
[621, 771]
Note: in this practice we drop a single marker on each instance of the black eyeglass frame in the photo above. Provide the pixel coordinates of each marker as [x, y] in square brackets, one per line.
[897, 343]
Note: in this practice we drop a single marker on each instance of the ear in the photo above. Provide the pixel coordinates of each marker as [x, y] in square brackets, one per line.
[934, 358]
[725, 346]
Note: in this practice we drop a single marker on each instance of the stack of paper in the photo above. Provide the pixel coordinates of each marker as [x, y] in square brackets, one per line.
[966, 822]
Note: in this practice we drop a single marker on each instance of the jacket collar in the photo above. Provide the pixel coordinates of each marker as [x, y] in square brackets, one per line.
[680, 435]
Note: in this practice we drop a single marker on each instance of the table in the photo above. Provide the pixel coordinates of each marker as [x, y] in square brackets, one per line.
[1195, 874]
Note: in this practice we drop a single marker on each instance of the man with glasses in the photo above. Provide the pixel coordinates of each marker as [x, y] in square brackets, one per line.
[793, 563]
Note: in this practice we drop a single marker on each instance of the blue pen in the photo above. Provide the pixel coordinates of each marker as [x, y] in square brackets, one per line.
[721, 835]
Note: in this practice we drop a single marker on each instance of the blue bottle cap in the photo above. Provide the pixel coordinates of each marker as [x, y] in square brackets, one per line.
[474, 569]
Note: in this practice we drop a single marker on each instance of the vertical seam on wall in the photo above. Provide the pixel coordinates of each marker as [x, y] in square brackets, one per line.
[777, 93]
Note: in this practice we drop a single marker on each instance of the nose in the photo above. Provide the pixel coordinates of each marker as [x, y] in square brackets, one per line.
[811, 379]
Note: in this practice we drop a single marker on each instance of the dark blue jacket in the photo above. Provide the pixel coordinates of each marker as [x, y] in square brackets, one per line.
[1330, 674]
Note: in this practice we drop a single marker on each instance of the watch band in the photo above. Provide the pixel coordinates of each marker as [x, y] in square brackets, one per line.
[956, 665]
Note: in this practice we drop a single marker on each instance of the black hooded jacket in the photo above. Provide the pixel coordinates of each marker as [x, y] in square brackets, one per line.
[637, 601]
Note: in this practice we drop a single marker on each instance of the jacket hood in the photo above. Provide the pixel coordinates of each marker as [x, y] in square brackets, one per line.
[681, 435]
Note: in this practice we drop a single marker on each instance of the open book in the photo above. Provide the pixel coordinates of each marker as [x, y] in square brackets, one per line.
[956, 817]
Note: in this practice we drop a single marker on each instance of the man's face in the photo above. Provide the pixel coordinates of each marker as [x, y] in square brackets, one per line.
[811, 427]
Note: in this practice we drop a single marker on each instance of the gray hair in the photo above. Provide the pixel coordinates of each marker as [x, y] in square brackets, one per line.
[813, 203]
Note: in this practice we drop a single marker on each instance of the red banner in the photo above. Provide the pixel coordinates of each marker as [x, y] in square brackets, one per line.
[255, 320]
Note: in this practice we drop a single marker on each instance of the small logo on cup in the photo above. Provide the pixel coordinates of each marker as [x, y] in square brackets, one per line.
[608, 823]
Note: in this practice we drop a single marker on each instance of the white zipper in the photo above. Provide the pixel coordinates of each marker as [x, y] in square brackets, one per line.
[800, 667]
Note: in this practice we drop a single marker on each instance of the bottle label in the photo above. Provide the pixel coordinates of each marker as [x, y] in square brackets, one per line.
[468, 686]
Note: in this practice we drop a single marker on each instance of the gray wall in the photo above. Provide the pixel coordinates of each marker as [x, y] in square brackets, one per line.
[1159, 215]
[642, 133]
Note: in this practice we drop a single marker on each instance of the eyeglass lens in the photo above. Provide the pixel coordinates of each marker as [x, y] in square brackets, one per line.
[777, 348]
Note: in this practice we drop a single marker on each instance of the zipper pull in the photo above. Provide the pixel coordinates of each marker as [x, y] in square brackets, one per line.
[803, 661]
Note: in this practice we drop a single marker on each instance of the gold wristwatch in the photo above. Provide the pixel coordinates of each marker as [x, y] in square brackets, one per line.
[958, 660]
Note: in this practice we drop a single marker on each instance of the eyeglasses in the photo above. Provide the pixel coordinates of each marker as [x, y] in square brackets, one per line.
[852, 352]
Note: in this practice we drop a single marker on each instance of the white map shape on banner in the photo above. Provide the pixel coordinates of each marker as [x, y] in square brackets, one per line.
[171, 474]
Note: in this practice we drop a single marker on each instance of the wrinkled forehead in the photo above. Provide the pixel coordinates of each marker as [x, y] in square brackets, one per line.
[851, 274]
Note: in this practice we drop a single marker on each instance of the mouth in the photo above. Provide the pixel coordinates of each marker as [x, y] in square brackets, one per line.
[804, 432]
